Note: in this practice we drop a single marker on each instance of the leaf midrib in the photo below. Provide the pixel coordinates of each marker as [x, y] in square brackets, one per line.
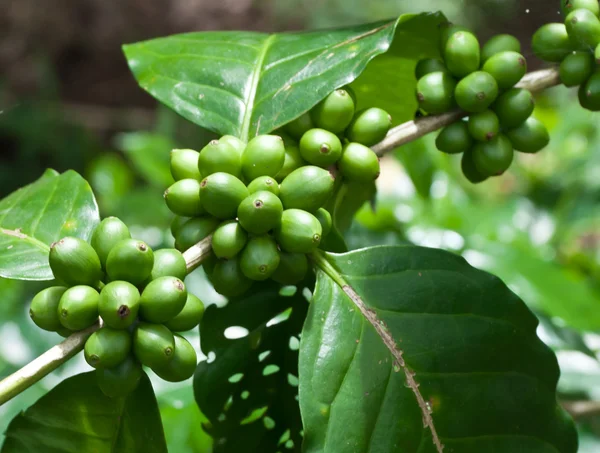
[17, 235]
[258, 67]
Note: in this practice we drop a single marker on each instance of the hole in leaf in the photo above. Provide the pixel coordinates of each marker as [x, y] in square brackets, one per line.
[268, 422]
[228, 404]
[254, 415]
[284, 437]
[293, 380]
[235, 332]
[270, 369]
[221, 418]
[211, 357]
[236, 378]
[307, 293]
[288, 291]
[281, 317]
[294, 344]
[263, 355]
[245, 394]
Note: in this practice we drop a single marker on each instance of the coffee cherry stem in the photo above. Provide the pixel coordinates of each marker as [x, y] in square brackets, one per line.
[412, 130]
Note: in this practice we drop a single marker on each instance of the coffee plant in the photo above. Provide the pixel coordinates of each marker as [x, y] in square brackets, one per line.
[379, 349]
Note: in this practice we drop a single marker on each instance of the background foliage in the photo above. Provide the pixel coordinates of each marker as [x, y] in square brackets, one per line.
[536, 227]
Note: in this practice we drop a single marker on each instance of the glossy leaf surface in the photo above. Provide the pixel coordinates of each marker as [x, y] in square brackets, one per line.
[487, 379]
[36, 215]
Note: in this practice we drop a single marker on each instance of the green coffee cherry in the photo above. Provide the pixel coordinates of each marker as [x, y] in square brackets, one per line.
[209, 263]
[183, 364]
[237, 144]
[293, 161]
[494, 157]
[576, 68]
[221, 194]
[264, 156]
[567, 6]
[469, 169]
[369, 126]
[130, 260]
[107, 347]
[220, 156]
[299, 232]
[153, 344]
[461, 54]
[260, 212]
[183, 198]
[335, 112]
[168, 262]
[228, 279]
[193, 231]
[435, 92]
[454, 139]
[260, 258]
[499, 43]
[299, 126]
[320, 147]
[74, 262]
[121, 380]
[119, 304]
[476, 92]
[427, 66]
[358, 163]
[176, 224]
[44, 308]
[292, 268]
[551, 42]
[529, 137]
[483, 126]
[589, 93]
[189, 317]
[78, 307]
[306, 188]
[514, 107]
[448, 29]
[264, 183]
[229, 239]
[162, 299]
[184, 164]
[324, 218]
[110, 231]
[64, 332]
[583, 27]
[507, 68]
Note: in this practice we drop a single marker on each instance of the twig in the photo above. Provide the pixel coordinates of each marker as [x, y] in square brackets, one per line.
[582, 409]
[412, 130]
[50, 360]
[44, 364]
[195, 255]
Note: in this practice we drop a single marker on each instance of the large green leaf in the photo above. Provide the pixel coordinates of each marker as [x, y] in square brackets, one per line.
[249, 388]
[247, 83]
[406, 347]
[77, 417]
[36, 215]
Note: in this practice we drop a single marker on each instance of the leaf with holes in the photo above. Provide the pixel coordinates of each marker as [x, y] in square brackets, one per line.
[247, 83]
[77, 416]
[36, 215]
[248, 387]
[408, 349]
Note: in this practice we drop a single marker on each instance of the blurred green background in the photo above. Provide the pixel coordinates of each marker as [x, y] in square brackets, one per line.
[67, 100]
